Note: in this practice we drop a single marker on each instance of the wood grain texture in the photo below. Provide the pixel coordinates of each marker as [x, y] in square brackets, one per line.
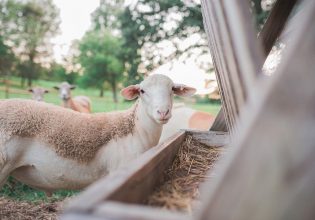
[215, 44]
[210, 138]
[236, 53]
[120, 211]
[271, 30]
[81, 216]
[219, 123]
[271, 174]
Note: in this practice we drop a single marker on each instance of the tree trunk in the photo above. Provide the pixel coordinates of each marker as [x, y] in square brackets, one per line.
[22, 81]
[7, 86]
[102, 91]
[114, 90]
[29, 80]
[31, 69]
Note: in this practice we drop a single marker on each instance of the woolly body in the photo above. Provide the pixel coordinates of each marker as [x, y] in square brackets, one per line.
[50, 147]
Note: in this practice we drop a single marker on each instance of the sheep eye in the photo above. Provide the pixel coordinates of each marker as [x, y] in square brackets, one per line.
[142, 91]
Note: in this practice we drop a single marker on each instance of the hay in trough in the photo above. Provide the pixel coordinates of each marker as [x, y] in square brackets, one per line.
[183, 178]
[21, 210]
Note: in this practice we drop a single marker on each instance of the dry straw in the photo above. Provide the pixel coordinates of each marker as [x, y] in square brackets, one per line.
[190, 167]
[18, 210]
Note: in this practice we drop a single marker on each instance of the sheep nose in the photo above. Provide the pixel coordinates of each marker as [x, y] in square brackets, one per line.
[163, 114]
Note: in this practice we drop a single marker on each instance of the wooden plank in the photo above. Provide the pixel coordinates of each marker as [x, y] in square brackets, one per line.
[271, 174]
[121, 211]
[221, 69]
[236, 85]
[246, 48]
[268, 36]
[275, 23]
[210, 138]
[219, 123]
[215, 43]
[133, 183]
[236, 53]
[81, 216]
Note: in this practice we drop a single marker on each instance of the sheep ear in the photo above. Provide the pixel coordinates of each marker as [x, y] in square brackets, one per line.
[56, 87]
[46, 91]
[73, 87]
[183, 90]
[130, 92]
[30, 90]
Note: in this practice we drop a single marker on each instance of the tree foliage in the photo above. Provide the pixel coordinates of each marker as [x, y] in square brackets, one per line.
[28, 26]
[105, 16]
[123, 38]
[6, 58]
[149, 25]
[58, 72]
[100, 57]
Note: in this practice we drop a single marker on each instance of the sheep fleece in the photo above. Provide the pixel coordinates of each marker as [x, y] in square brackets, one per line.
[73, 135]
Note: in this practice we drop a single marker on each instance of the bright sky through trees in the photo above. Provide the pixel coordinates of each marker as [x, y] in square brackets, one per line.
[76, 20]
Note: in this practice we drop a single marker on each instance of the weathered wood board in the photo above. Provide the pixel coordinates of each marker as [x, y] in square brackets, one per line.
[132, 185]
[271, 173]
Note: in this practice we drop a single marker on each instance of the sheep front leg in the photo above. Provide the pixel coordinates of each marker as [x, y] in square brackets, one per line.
[5, 169]
[4, 174]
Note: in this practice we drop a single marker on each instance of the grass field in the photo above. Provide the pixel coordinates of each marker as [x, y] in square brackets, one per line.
[18, 191]
[99, 104]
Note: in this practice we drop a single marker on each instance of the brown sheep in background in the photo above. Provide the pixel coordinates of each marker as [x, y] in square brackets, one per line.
[78, 103]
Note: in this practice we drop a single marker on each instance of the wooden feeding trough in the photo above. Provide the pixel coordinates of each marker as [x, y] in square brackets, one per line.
[269, 171]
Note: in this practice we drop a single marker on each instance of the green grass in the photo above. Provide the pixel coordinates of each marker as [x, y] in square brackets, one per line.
[21, 192]
[99, 104]
[18, 191]
[104, 104]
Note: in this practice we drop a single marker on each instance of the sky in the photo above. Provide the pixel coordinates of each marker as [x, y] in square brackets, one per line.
[76, 20]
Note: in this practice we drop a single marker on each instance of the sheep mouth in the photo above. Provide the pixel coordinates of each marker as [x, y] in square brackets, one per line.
[65, 98]
[163, 121]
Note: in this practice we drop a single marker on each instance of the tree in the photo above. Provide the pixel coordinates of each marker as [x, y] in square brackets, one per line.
[29, 26]
[6, 58]
[260, 13]
[6, 62]
[100, 58]
[147, 24]
[132, 46]
[108, 16]
[59, 73]
[105, 16]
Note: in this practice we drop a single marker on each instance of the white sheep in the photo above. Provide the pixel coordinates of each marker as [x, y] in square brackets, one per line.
[48, 147]
[78, 103]
[184, 117]
[38, 93]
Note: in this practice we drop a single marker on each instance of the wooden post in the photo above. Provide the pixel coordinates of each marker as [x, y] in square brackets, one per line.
[268, 36]
[236, 53]
[270, 175]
